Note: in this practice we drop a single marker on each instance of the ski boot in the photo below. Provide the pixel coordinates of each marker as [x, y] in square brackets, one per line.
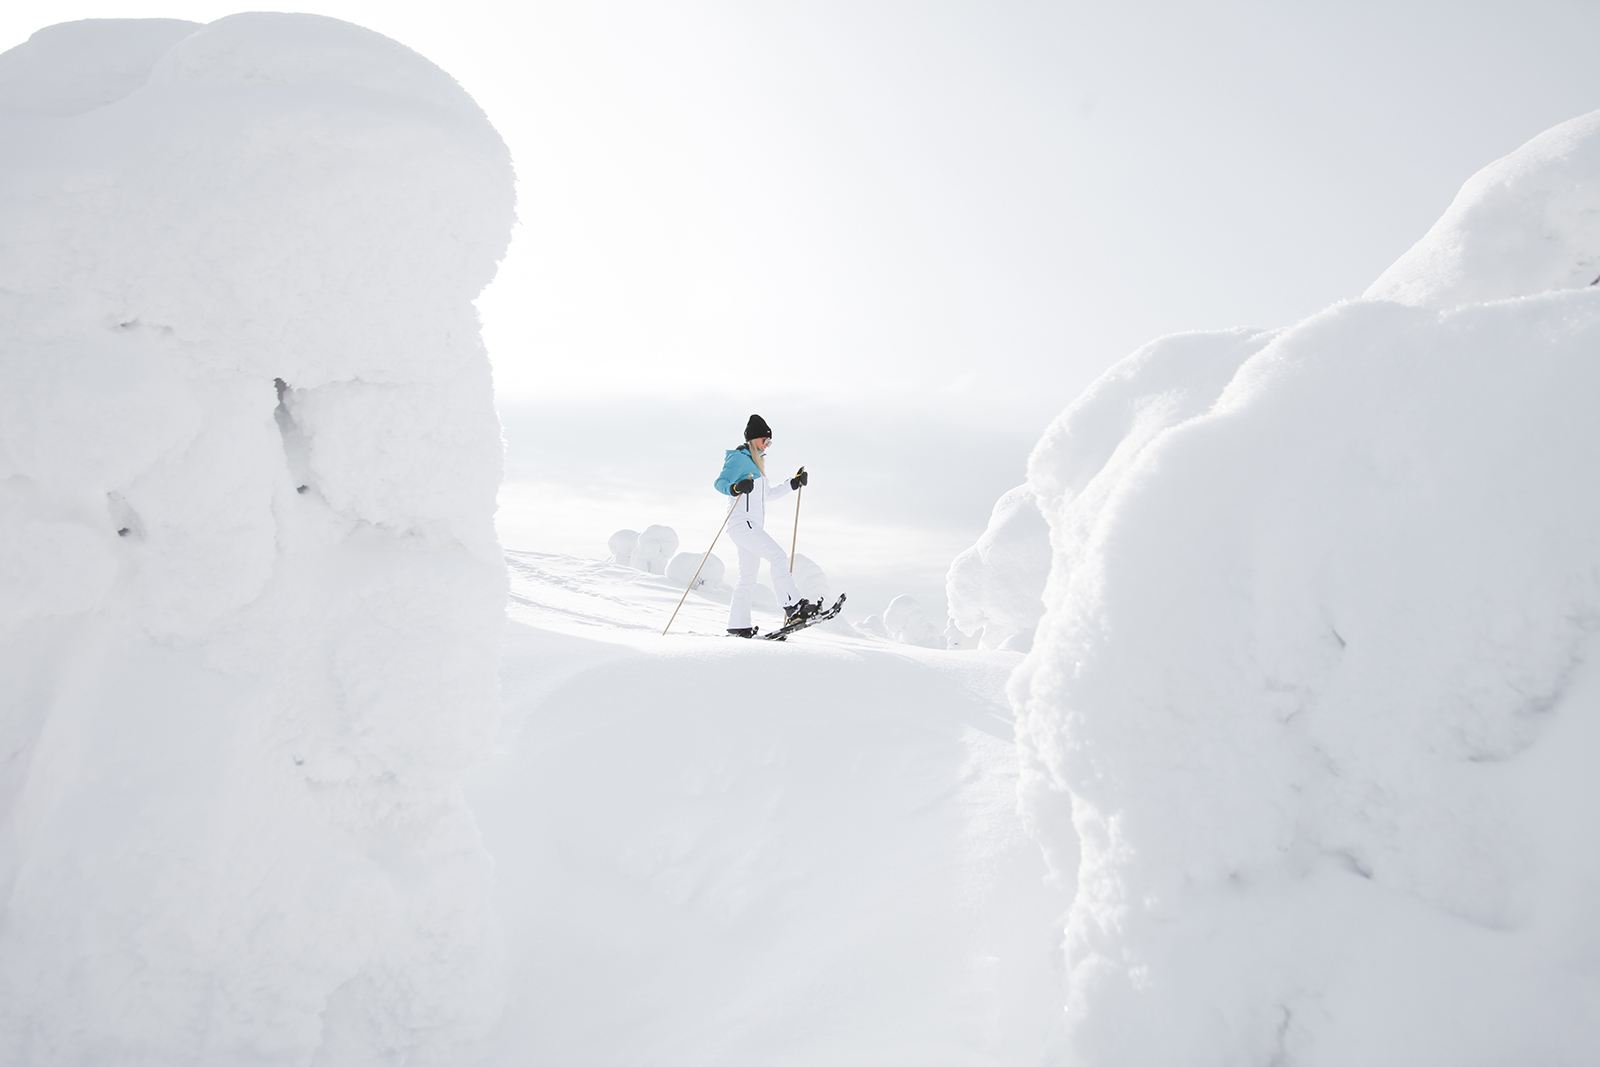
[746, 631]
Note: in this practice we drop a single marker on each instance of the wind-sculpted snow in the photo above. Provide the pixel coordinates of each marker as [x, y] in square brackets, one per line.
[1311, 717]
[1525, 224]
[249, 586]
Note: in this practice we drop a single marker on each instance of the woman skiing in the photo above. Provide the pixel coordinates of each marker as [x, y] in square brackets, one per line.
[744, 477]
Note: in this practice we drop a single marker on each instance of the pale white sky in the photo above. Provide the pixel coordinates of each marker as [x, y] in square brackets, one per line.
[909, 233]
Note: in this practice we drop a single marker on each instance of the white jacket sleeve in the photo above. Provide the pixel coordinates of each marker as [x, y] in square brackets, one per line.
[778, 488]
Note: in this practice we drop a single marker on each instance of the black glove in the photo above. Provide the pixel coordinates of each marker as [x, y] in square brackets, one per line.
[743, 487]
[801, 478]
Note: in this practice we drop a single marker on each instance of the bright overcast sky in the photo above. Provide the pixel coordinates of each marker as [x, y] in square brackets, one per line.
[987, 199]
[944, 217]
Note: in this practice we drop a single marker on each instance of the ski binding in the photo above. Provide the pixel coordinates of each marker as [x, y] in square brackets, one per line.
[794, 627]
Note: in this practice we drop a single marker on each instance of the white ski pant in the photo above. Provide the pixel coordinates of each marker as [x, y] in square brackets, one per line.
[754, 545]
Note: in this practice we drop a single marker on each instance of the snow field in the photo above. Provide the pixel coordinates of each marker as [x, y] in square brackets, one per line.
[714, 851]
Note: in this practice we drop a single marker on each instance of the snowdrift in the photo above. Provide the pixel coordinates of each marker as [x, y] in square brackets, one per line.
[1312, 713]
[250, 595]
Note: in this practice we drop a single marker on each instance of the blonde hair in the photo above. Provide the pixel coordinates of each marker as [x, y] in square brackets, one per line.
[757, 456]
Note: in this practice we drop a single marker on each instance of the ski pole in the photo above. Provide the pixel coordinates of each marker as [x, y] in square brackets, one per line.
[698, 569]
[798, 493]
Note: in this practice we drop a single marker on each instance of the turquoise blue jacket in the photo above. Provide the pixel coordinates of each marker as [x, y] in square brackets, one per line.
[752, 507]
[736, 467]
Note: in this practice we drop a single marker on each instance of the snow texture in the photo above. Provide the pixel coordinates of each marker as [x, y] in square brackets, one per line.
[250, 595]
[75, 67]
[995, 588]
[1311, 717]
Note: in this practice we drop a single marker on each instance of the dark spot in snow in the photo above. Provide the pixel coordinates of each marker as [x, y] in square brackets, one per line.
[301, 488]
[1337, 638]
[122, 532]
[299, 763]
[1354, 864]
[1596, 280]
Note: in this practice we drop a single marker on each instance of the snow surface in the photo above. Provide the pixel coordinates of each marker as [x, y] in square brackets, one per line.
[1525, 224]
[1313, 712]
[250, 593]
[721, 852]
[74, 67]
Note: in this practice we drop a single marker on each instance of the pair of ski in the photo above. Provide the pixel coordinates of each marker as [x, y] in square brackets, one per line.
[797, 625]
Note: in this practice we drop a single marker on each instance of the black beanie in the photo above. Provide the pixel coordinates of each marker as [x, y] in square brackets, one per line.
[756, 427]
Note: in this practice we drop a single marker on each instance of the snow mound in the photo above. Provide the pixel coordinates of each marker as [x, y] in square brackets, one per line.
[620, 546]
[1311, 712]
[252, 594]
[995, 587]
[682, 567]
[1528, 223]
[905, 621]
[810, 578]
[653, 549]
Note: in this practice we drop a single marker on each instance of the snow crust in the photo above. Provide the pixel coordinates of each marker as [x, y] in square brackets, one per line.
[1312, 714]
[250, 595]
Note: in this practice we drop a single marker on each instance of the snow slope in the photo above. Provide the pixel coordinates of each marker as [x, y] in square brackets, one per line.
[1312, 714]
[250, 595]
[714, 851]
